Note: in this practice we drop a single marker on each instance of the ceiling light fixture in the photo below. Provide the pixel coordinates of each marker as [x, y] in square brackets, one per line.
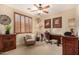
[40, 8]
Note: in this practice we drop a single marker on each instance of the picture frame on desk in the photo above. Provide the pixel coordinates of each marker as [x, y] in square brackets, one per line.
[57, 22]
[47, 23]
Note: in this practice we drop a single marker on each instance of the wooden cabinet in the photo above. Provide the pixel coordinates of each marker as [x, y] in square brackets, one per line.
[78, 47]
[7, 42]
[1, 46]
[70, 45]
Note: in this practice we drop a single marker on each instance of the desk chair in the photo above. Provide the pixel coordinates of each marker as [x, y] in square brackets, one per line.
[47, 38]
[67, 33]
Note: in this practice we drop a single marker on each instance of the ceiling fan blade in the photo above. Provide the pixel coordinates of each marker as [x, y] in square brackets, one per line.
[45, 11]
[36, 5]
[46, 7]
[34, 10]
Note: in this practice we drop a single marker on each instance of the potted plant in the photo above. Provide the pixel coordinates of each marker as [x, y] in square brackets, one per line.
[8, 27]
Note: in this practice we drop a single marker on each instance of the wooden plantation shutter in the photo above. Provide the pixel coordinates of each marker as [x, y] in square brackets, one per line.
[22, 23]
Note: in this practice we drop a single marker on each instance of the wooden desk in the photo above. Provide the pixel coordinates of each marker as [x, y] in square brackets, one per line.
[69, 43]
[53, 37]
[56, 37]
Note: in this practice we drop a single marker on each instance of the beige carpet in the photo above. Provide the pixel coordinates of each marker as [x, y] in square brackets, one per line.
[40, 48]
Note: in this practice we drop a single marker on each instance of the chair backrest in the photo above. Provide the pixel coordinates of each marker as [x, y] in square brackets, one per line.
[47, 35]
[67, 33]
[28, 37]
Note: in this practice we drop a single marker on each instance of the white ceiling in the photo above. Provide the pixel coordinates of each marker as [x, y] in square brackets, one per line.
[54, 8]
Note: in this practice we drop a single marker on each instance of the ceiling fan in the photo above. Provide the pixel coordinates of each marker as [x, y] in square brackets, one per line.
[42, 8]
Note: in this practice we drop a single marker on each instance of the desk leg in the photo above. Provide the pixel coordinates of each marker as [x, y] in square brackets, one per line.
[58, 42]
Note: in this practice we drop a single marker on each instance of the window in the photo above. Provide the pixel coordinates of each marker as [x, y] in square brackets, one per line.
[22, 23]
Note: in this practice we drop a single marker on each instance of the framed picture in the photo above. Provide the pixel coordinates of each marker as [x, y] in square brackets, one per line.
[57, 22]
[47, 23]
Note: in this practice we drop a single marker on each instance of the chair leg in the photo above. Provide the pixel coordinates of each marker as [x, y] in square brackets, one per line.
[50, 42]
[58, 43]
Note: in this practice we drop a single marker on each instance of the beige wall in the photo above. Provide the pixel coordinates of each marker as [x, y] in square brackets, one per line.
[77, 19]
[5, 10]
[66, 15]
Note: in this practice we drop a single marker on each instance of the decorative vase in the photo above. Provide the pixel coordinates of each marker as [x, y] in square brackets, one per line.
[7, 32]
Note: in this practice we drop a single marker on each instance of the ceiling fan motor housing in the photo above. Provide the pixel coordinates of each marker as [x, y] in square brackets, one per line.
[40, 6]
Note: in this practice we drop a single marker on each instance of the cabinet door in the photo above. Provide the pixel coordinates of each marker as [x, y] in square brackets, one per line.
[9, 42]
[70, 46]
